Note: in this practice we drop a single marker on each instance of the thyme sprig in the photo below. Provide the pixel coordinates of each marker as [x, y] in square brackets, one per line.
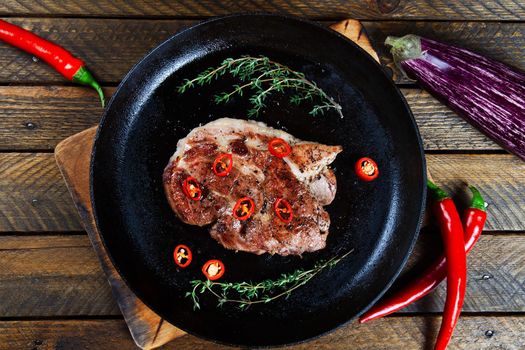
[263, 77]
[244, 294]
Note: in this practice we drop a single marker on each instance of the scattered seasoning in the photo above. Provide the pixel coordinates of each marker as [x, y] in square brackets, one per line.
[452, 233]
[283, 210]
[192, 189]
[213, 269]
[473, 222]
[366, 169]
[279, 148]
[182, 255]
[57, 57]
[244, 208]
[223, 164]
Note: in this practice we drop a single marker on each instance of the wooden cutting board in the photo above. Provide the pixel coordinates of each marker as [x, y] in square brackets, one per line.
[73, 158]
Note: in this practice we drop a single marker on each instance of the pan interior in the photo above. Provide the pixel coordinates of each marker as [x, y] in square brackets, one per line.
[379, 220]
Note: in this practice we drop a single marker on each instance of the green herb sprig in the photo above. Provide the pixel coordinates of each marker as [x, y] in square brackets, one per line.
[262, 77]
[245, 294]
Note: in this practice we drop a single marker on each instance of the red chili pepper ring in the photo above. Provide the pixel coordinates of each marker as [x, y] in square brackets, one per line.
[244, 208]
[283, 210]
[223, 164]
[213, 269]
[366, 169]
[182, 255]
[279, 148]
[192, 189]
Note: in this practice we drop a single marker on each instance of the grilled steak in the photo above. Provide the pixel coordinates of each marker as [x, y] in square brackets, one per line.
[303, 178]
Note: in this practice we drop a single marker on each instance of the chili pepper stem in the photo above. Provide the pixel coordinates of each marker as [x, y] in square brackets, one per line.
[84, 77]
[477, 199]
[438, 193]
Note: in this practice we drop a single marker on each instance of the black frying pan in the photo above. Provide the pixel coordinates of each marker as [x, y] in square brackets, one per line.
[379, 220]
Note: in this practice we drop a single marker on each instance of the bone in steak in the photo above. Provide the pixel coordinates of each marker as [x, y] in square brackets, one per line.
[303, 178]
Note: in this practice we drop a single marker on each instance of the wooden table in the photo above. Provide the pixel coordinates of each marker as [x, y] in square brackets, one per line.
[53, 294]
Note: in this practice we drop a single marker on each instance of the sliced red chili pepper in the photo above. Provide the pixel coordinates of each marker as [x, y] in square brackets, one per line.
[283, 210]
[223, 164]
[244, 208]
[473, 222]
[279, 148]
[182, 255]
[366, 169]
[192, 189]
[213, 269]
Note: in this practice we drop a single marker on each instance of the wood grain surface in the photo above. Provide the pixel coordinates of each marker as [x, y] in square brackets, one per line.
[131, 39]
[392, 333]
[50, 276]
[333, 9]
[53, 292]
[33, 195]
[56, 275]
[73, 158]
[35, 198]
[38, 117]
[495, 274]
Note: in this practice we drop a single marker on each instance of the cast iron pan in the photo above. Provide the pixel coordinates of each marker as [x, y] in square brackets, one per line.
[379, 220]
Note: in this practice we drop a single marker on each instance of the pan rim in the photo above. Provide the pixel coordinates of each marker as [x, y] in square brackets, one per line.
[413, 124]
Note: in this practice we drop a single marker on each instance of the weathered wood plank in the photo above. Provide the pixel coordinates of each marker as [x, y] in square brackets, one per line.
[61, 276]
[132, 39]
[393, 333]
[50, 276]
[501, 179]
[441, 129]
[361, 9]
[38, 117]
[495, 283]
[33, 196]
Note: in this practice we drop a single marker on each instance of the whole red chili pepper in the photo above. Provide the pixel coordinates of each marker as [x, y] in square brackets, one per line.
[452, 234]
[60, 59]
[473, 222]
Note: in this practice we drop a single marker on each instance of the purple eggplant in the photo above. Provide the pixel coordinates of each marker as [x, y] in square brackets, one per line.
[488, 94]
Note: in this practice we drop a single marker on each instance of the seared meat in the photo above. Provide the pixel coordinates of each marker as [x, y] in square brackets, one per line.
[302, 178]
